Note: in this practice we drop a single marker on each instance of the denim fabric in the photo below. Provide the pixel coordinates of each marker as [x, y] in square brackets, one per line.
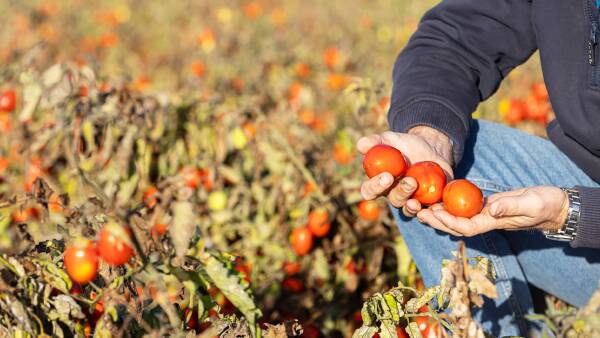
[499, 158]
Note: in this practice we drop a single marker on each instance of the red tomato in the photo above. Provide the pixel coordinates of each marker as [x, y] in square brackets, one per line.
[428, 327]
[151, 196]
[368, 210]
[310, 331]
[431, 181]
[516, 113]
[114, 244]
[318, 222]
[291, 268]
[159, 229]
[302, 240]
[81, 261]
[293, 285]
[8, 101]
[462, 198]
[401, 332]
[539, 91]
[191, 176]
[383, 158]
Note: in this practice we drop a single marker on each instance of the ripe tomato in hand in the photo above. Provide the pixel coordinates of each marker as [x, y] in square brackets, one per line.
[114, 244]
[8, 101]
[383, 158]
[463, 198]
[318, 222]
[81, 261]
[368, 210]
[431, 181]
[302, 240]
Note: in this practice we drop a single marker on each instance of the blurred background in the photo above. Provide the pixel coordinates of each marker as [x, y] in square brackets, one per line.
[254, 105]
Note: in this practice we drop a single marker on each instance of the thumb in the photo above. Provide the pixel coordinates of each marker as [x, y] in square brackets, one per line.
[506, 206]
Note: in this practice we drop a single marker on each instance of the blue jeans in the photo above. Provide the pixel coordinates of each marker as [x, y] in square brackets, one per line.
[497, 159]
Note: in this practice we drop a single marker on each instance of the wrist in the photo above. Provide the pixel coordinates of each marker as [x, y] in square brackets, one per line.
[436, 139]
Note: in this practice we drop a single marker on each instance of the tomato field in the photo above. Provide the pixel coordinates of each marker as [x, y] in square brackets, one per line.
[189, 167]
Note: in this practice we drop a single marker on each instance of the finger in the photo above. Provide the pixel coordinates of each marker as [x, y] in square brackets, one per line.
[411, 207]
[457, 224]
[508, 206]
[426, 216]
[376, 186]
[437, 206]
[399, 194]
[365, 143]
[494, 197]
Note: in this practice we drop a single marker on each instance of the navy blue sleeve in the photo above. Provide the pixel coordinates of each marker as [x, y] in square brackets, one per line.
[460, 52]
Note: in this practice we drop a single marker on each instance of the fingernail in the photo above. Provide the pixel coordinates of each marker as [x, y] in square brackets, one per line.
[385, 180]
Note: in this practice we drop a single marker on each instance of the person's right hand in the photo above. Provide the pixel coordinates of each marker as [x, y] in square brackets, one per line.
[419, 144]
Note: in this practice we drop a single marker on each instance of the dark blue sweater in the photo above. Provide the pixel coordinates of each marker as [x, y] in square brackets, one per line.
[464, 48]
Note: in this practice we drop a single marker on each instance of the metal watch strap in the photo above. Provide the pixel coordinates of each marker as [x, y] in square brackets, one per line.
[569, 230]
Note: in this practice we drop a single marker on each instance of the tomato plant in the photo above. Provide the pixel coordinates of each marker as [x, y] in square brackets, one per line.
[81, 261]
[114, 244]
[431, 181]
[383, 158]
[463, 198]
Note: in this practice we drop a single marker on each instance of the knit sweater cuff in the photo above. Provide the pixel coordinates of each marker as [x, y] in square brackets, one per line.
[588, 229]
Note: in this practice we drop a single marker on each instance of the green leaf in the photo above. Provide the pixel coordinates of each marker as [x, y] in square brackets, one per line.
[365, 332]
[231, 286]
[413, 330]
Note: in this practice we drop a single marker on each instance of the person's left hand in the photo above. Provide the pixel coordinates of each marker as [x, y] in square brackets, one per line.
[541, 208]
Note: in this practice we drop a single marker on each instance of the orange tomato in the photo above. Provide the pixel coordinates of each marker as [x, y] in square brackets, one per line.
[293, 285]
[368, 210]
[302, 70]
[331, 57]
[302, 240]
[428, 327]
[198, 68]
[383, 158]
[318, 222]
[159, 229]
[462, 198]
[291, 268]
[539, 91]
[431, 181]
[517, 111]
[114, 244]
[342, 154]
[81, 261]
[151, 196]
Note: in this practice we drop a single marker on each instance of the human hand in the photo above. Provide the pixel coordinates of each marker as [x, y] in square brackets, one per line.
[419, 144]
[541, 208]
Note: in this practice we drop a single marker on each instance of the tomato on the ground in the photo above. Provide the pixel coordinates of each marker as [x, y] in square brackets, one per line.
[114, 244]
[302, 240]
[369, 210]
[81, 261]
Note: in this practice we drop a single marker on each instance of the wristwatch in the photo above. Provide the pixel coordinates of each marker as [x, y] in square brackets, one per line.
[569, 230]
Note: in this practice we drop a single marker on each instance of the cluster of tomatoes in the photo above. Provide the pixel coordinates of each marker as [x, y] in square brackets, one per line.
[535, 107]
[460, 197]
[114, 246]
